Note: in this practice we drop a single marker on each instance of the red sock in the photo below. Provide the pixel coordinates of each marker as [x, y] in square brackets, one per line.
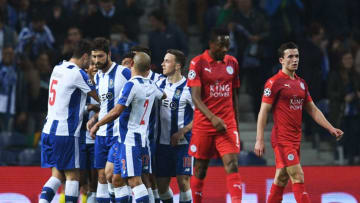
[196, 189]
[276, 194]
[234, 186]
[299, 192]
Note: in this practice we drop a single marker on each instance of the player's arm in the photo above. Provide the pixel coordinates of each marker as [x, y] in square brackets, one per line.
[111, 116]
[320, 119]
[94, 95]
[217, 122]
[92, 121]
[236, 93]
[259, 148]
[180, 135]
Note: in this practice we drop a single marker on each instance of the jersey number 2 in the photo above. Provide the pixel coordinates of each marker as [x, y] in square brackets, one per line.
[52, 94]
[146, 104]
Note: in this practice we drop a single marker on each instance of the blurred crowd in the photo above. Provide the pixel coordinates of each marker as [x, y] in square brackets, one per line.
[37, 34]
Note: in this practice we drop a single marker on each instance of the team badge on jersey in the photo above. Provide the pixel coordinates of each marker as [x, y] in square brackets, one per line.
[89, 82]
[177, 94]
[191, 74]
[193, 148]
[267, 92]
[302, 85]
[291, 157]
[111, 83]
[230, 70]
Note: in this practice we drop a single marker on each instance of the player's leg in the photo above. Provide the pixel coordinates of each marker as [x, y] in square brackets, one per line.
[197, 180]
[72, 185]
[277, 188]
[51, 186]
[228, 146]
[101, 153]
[109, 169]
[183, 172]
[145, 176]
[120, 187]
[297, 178]
[152, 176]
[165, 192]
[93, 176]
[154, 187]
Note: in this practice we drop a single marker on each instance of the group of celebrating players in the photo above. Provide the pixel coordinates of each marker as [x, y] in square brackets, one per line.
[130, 129]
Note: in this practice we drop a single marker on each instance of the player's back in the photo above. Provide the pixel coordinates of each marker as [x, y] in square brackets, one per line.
[138, 95]
[67, 95]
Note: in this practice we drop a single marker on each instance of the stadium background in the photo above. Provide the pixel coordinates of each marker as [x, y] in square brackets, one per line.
[323, 29]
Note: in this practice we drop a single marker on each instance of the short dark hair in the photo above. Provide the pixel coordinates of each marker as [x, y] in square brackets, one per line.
[128, 55]
[284, 46]
[216, 32]
[101, 44]
[81, 48]
[179, 56]
[141, 49]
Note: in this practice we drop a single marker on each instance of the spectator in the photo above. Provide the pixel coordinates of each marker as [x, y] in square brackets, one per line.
[344, 95]
[35, 38]
[7, 35]
[163, 37]
[120, 43]
[130, 12]
[74, 35]
[22, 15]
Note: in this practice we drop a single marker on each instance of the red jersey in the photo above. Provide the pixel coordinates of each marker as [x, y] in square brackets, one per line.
[287, 97]
[217, 80]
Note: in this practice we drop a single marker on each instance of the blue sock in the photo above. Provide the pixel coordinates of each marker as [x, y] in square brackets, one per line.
[47, 193]
[71, 199]
[143, 199]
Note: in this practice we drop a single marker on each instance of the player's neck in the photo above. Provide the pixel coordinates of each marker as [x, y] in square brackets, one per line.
[291, 74]
[174, 78]
[107, 67]
[75, 61]
[134, 73]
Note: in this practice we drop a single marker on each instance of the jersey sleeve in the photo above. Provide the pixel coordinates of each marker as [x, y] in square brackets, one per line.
[127, 94]
[83, 82]
[307, 94]
[270, 92]
[236, 81]
[189, 98]
[159, 93]
[194, 73]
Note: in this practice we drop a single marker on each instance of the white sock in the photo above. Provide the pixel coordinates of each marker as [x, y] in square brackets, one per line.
[102, 191]
[111, 189]
[185, 196]
[167, 195]
[53, 183]
[71, 189]
[156, 194]
[121, 191]
[130, 191]
[140, 191]
[91, 197]
[151, 195]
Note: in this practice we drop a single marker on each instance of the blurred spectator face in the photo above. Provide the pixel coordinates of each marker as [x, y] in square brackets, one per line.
[8, 56]
[220, 47]
[38, 25]
[169, 64]
[92, 69]
[347, 61]
[74, 35]
[43, 63]
[107, 5]
[127, 62]
[100, 59]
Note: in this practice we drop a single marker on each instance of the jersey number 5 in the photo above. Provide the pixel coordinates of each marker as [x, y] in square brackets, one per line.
[52, 94]
[146, 104]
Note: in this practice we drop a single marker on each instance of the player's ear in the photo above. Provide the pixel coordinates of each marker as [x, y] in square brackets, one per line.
[109, 54]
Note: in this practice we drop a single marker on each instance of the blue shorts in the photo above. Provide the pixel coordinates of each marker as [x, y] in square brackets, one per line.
[113, 153]
[68, 153]
[146, 159]
[130, 161]
[89, 156]
[103, 145]
[47, 151]
[173, 161]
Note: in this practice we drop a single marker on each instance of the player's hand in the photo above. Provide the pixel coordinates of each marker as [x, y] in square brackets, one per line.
[218, 124]
[337, 133]
[90, 124]
[259, 148]
[176, 137]
[93, 131]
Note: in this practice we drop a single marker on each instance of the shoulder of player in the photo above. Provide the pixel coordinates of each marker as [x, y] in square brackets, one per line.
[231, 58]
[274, 80]
[197, 60]
[160, 81]
[123, 71]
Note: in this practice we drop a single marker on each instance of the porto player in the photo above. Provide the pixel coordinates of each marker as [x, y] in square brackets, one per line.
[214, 81]
[287, 94]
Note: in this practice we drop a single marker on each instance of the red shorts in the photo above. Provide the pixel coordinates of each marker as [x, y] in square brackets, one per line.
[286, 155]
[205, 145]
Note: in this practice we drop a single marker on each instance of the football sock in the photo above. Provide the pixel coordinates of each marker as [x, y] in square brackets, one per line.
[167, 197]
[49, 190]
[299, 192]
[234, 186]
[151, 196]
[102, 193]
[141, 194]
[196, 189]
[185, 197]
[91, 197]
[130, 194]
[121, 194]
[276, 194]
[156, 196]
[71, 191]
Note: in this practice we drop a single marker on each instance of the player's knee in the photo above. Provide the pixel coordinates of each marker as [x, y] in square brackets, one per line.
[297, 177]
[134, 181]
[184, 184]
[200, 172]
[231, 166]
[117, 181]
[282, 180]
[102, 178]
[109, 177]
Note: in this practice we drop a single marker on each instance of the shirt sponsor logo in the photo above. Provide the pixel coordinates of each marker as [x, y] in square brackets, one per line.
[287, 85]
[302, 85]
[237, 186]
[291, 157]
[267, 92]
[108, 96]
[296, 103]
[191, 74]
[230, 70]
[220, 90]
[208, 70]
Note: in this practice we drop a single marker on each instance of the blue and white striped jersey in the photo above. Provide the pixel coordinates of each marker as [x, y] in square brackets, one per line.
[108, 86]
[67, 95]
[154, 111]
[176, 111]
[87, 116]
[138, 96]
